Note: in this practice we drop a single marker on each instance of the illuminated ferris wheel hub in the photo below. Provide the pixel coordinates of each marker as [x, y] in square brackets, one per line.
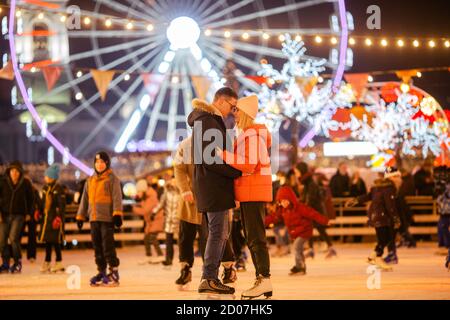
[183, 32]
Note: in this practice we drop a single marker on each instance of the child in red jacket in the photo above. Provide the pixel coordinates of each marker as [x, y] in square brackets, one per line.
[298, 219]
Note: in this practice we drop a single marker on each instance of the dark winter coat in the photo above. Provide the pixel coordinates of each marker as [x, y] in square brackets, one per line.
[50, 211]
[214, 182]
[299, 217]
[340, 185]
[312, 195]
[16, 199]
[358, 189]
[383, 208]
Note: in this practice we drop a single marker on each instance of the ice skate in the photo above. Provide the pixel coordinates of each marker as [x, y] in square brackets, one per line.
[16, 267]
[229, 275]
[240, 265]
[371, 258]
[45, 268]
[58, 267]
[146, 260]
[4, 268]
[215, 289]
[111, 279]
[185, 277]
[262, 286]
[391, 258]
[309, 253]
[330, 253]
[297, 271]
[97, 280]
[379, 262]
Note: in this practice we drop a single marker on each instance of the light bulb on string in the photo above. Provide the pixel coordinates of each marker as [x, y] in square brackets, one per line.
[41, 16]
[207, 32]
[150, 27]
[298, 38]
[63, 18]
[266, 36]
[87, 21]
[227, 34]
[447, 44]
[129, 25]
[404, 87]
[419, 74]
[333, 40]
[431, 43]
[108, 23]
[127, 77]
[245, 36]
[352, 41]
[384, 42]
[370, 79]
[400, 43]
[318, 39]
[416, 43]
[281, 38]
[368, 42]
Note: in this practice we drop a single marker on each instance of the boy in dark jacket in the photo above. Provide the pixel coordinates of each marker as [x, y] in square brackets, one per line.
[298, 219]
[52, 219]
[101, 203]
[383, 216]
[16, 202]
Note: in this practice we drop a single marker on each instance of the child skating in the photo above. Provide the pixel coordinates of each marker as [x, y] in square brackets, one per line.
[101, 205]
[382, 215]
[53, 207]
[298, 219]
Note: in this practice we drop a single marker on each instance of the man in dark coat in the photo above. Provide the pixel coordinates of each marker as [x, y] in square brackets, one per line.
[340, 182]
[16, 202]
[213, 180]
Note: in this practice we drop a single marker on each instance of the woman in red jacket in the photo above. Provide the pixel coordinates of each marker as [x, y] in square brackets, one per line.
[298, 219]
[253, 189]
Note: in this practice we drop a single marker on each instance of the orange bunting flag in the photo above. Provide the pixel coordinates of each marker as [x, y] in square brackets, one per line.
[258, 79]
[102, 80]
[406, 75]
[152, 83]
[358, 81]
[7, 72]
[51, 75]
[307, 84]
[201, 86]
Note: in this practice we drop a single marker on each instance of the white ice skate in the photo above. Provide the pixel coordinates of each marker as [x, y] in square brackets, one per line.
[58, 267]
[262, 286]
[45, 268]
[145, 261]
[381, 264]
[371, 258]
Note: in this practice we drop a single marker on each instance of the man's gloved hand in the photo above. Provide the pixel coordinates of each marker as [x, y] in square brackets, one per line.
[117, 221]
[56, 224]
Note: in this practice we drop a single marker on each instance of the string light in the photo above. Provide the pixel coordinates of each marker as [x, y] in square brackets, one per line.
[245, 36]
[227, 34]
[18, 13]
[320, 79]
[150, 27]
[87, 21]
[129, 25]
[368, 42]
[447, 43]
[79, 96]
[207, 32]
[63, 18]
[432, 44]
[318, 39]
[266, 36]
[41, 16]
[298, 38]
[108, 23]
[416, 43]
[333, 40]
[281, 37]
[127, 77]
[79, 74]
[33, 69]
[352, 41]
[384, 42]
[400, 43]
[370, 78]
[419, 74]
[404, 87]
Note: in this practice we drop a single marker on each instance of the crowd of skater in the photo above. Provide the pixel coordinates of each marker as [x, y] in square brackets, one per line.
[226, 205]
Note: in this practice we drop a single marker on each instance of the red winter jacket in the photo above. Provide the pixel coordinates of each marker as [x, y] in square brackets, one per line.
[298, 217]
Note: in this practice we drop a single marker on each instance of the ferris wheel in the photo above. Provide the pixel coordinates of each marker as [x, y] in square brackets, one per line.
[163, 54]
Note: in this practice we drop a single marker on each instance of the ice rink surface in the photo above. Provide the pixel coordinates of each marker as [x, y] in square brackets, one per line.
[420, 274]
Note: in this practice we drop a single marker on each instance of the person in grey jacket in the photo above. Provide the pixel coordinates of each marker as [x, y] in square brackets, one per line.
[101, 204]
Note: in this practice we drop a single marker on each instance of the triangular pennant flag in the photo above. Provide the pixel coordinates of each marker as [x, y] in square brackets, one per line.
[258, 79]
[51, 75]
[358, 81]
[7, 72]
[307, 84]
[406, 75]
[152, 83]
[201, 86]
[102, 80]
